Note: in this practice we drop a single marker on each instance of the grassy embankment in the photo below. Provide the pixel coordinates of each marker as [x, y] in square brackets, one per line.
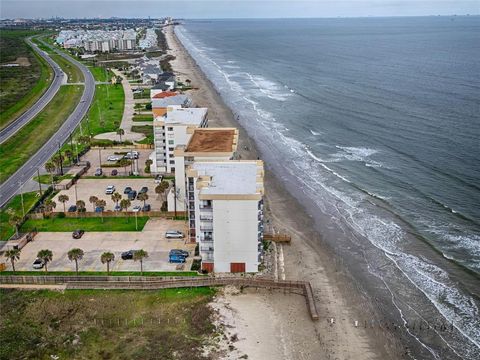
[85, 223]
[74, 75]
[98, 324]
[146, 130]
[15, 205]
[28, 140]
[21, 86]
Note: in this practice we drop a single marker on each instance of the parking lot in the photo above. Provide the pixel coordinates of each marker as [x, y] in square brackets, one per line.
[97, 155]
[84, 188]
[151, 239]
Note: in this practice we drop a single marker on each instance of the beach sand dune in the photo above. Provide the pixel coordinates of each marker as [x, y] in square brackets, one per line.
[276, 325]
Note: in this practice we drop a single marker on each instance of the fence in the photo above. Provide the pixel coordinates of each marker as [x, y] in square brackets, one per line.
[153, 283]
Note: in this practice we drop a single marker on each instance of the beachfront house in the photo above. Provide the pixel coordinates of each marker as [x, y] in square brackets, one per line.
[227, 213]
[205, 144]
[172, 129]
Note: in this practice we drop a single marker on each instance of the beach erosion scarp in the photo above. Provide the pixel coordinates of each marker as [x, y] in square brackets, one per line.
[340, 302]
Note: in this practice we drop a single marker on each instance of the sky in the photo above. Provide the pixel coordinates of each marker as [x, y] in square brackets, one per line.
[195, 9]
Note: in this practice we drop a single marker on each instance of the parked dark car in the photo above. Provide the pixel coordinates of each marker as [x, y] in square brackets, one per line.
[132, 195]
[146, 207]
[77, 234]
[143, 190]
[183, 253]
[128, 255]
[98, 172]
[175, 258]
[114, 172]
[127, 190]
[72, 208]
[117, 208]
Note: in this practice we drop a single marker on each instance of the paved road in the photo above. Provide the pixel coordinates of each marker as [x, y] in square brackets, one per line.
[28, 115]
[11, 186]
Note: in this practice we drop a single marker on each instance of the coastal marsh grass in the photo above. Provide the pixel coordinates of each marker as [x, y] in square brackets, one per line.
[22, 86]
[57, 224]
[30, 138]
[98, 324]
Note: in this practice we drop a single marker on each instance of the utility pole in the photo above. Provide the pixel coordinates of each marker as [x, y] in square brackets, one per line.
[175, 198]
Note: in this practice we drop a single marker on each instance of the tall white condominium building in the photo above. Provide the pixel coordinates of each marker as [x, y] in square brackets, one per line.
[227, 213]
[175, 128]
[206, 144]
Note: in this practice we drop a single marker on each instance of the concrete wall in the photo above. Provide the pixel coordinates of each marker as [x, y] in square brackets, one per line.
[235, 234]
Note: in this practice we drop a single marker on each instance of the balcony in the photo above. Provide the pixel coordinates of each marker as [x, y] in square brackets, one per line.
[206, 218]
[206, 226]
[206, 249]
[206, 238]
[207, 257]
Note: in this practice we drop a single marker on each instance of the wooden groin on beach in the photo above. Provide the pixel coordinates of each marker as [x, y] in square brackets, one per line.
[156, 282]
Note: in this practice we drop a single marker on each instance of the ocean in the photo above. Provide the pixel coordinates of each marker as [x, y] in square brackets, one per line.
[374, 125]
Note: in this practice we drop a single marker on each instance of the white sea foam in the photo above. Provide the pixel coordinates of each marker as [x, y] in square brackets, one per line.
[361, 154]
[316, 133]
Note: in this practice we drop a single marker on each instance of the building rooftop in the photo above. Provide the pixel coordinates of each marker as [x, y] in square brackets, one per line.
[213, 140]
[186, 116]
[165, 94]
[229, 179]
[178, 100]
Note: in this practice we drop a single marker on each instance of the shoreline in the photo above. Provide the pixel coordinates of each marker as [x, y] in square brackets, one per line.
[307, 258]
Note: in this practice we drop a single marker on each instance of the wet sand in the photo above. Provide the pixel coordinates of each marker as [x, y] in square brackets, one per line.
[339, 300]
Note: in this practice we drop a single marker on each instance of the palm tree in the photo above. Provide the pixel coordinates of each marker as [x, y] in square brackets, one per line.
[124, 163]
[69, 155]
[75, 255]
[15, 221]
[13, 255]
[162, 187]
[143, 197]
[148, 164]
[120, 132]
[49, 205]
[140, 255]
[57, 160]
[63, 199]
[101, 204]
[107, 258]
[125, 204]
[93, 199]
[116, 197]
[50, 167]
[45, 255]
[80, 206]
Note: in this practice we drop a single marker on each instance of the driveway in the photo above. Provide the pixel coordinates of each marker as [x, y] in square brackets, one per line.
[151, 239]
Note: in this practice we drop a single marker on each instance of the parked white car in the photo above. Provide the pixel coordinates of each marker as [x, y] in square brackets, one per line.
[113, 158]
[174, 234]
[136, 208]
[110, 189]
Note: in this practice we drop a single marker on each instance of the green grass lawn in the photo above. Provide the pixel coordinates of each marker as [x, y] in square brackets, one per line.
[47, 178]
[143, 117]
[15, 205]
[100, 273]
[99, 324]
[88, 224]
[144, 95]
[106, 112]
[28, 140]
[74, 74]
[146, 130]
[100, 73]
[21, 86]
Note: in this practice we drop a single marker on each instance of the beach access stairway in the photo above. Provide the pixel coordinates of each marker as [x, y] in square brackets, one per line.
[157, 282]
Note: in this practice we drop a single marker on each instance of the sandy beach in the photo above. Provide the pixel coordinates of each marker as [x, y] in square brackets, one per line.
[276, 325]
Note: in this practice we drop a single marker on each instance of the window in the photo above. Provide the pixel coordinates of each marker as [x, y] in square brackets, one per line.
[171, 142]
[171, 149]
[170, 128]
[171, 155]
[172, 162]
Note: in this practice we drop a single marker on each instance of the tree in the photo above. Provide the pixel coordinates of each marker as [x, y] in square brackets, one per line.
[188, 82]
[120, 132]
[148, 164]
[124, 163]
[101, 204]
[80, 206]
[75, 255]
[93, 199]
[139, 255]
[13, 255]
[50, 167]
[15, 221]
[45, 255]
[107, 258]
[58, 160]
[63, 199]
[124, 205]
[69, 155]
[162, 187]
[116, 197]
[143, 197]
[49, 205]
[85, 140]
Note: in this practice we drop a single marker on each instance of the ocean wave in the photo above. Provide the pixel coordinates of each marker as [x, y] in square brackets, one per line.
[269, 88]
[316, 133]
[361, 154]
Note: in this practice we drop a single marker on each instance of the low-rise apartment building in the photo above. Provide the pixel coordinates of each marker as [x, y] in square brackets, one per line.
[225, 213]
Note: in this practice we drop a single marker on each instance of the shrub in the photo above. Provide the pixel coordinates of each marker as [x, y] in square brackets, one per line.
[196, 264]
[61, 215]
[164, 206]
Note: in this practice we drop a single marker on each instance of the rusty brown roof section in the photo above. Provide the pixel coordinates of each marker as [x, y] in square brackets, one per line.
[219, 140]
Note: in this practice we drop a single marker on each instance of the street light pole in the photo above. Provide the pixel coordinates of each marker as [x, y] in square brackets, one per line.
[136, 221]
[39, 183]
[21, 196]
[60, 157]
[100, 157]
